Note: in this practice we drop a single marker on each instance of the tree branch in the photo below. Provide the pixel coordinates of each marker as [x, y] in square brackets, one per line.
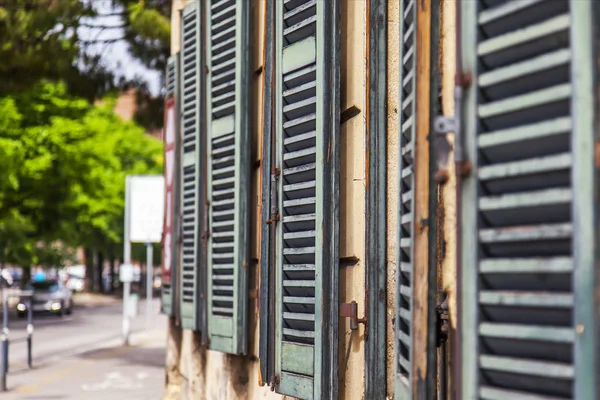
[115, 14]
[102, 26]
[102, 41]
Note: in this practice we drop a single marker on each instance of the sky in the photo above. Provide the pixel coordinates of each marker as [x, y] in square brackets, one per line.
[116, 55]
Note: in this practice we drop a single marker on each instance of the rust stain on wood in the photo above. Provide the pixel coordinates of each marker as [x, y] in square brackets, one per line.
[421, 201]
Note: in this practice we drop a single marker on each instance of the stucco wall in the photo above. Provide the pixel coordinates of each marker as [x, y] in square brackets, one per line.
[393, 36]
[204, 374]
[448, 68]
[352, 193]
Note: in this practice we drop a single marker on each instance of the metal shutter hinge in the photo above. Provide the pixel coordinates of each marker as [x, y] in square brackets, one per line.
[350, 310]
[274, 210]
[274, 218]
[442, 321]
[445, 125]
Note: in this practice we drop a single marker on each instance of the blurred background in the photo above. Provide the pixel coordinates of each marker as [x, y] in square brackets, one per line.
[80, 109]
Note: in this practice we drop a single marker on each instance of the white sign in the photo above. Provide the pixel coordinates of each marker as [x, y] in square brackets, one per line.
[126, 273]
[146, 208]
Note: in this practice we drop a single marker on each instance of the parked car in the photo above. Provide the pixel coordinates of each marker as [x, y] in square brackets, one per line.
[48, 296]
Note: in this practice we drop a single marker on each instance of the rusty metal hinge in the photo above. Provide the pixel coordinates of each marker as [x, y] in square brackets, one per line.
[442, 320]
[274, 382]
[274, 218]
[274, 210]
[350, 310]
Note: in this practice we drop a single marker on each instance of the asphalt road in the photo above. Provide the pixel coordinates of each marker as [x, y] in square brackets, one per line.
[55, 337]
[81, 356]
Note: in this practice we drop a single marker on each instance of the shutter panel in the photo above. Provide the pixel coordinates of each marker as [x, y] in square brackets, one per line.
[170, 274]
[307, 134]
[191, 166]
[172, 76]
[228, 176]
[528, 208]
[406, 221]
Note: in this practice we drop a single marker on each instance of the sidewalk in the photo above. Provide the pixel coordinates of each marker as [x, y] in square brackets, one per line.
[111, 371]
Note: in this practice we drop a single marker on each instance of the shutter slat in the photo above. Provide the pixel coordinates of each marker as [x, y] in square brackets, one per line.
[300, 131]
[522, 241]
[404, 321]
[530, 333]
[190, 136]
[491, 393]
[227, 139]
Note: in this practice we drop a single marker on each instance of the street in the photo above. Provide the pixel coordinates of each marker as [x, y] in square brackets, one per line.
[80, 356]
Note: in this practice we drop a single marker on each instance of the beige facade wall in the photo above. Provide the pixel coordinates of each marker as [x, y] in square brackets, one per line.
[204, 374]
[353, 89]
[448, 68]
[393, 96]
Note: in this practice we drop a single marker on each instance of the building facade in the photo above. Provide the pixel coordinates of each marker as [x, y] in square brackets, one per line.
[379, 199]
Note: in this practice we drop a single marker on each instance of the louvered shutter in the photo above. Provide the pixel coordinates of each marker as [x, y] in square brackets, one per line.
[191, 206]
[171, 175]
[307, 134]
[528, 276]
[228, 176]
[406, 220]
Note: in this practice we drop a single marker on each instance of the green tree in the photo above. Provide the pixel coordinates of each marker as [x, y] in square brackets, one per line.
[64, 163]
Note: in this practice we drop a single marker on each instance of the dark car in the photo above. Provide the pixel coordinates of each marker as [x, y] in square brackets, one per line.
[48, 296]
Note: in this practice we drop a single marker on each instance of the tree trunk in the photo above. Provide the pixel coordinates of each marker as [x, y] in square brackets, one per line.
[99, 270]
[26, 276]
[89, 269]
[112, 274]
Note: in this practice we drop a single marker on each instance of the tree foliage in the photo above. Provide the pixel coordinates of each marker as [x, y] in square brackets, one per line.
[64, 162]
[42, 39]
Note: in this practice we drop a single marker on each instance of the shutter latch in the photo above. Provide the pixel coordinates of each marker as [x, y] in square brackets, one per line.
[445, 125]
[350, 310]
[274, 382]
[442, 321]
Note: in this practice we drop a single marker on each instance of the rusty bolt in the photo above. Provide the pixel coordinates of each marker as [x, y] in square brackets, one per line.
[464, 168]
[464, 80]
[441, 176]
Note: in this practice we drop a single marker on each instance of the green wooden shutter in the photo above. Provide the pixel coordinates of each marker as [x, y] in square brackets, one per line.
[169, 294]
[307, 135]
[406, 220]
[228, 172]
[528, 323]
[191, 206]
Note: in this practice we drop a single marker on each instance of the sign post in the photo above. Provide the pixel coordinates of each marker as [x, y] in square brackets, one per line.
[144, 211]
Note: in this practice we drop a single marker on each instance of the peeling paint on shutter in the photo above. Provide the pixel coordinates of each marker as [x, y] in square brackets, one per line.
[191, 165]
[528, 279]
[405, 266]
[228, 172]
[307, 134]
[169, 294]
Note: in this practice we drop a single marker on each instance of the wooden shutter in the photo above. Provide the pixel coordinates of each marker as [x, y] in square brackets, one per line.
[191, 165]
[307, 135]
[228, 172]
[170, 234]
[529, 309]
